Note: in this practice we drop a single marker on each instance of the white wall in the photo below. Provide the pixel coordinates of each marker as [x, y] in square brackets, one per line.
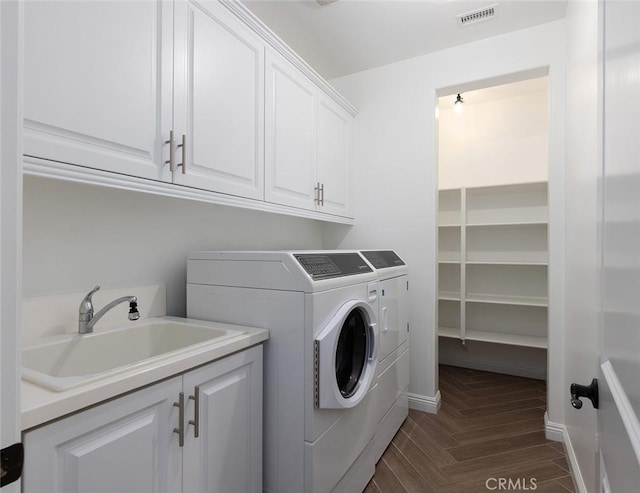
[396, 174]
[77, 236]
[496, 141]
[583, 172]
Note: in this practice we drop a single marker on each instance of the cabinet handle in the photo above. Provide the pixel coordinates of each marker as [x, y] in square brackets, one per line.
[180, 429]
[322, 194]
[196, 412]
[184, 154]
[316, 189]
[172, 153]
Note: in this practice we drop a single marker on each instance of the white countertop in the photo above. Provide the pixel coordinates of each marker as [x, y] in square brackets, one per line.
[40, 405]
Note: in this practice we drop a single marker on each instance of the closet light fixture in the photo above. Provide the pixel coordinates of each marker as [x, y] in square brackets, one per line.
[457, 105]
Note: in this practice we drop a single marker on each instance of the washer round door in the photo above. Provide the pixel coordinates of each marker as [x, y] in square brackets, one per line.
[345, 357]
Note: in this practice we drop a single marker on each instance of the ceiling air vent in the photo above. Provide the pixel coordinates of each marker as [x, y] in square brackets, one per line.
[478, 15]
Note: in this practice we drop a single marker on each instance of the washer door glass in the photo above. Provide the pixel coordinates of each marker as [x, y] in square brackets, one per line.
[351, 353]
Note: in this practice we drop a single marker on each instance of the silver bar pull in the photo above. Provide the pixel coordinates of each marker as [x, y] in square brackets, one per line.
[184, 154]
[322, 194]
[172, 153]
[180, 429]
[316, 189]
[196, 412]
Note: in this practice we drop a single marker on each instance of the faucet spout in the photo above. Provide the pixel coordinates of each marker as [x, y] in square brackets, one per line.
[87, 319]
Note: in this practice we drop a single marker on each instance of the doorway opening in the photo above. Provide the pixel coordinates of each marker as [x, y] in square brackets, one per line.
[493, 223]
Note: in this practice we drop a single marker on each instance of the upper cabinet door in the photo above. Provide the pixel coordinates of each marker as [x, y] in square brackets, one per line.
[334, 148]
[97, 84]
[290, 141]
[219, 101]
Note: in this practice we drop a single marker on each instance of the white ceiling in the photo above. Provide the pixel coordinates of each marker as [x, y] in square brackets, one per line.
[353, 35]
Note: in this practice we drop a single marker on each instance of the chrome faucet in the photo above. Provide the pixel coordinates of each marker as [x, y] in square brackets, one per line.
[86, 318]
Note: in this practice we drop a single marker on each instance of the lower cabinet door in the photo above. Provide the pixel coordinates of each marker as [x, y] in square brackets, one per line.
[126, 445]
[226, 455]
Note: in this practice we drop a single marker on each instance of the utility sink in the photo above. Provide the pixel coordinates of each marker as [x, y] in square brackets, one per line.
[73, 360]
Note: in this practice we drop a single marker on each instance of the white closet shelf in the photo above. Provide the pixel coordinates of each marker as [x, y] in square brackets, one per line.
[505, 229]
[449, 296]
[507, 262]
[508, 205]
[451, 332]
[507, 300]
[495, 337]
[506, 186]
[506, 224]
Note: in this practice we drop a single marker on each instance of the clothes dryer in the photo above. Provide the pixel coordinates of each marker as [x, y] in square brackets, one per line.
[321, 309]
[393, 366]
[393, 289]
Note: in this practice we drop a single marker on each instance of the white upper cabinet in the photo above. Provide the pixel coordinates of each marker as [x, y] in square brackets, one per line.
[97, 84]
[334, 147]
[307, 142]
[219, 100]
[198, 94]
[290, 135]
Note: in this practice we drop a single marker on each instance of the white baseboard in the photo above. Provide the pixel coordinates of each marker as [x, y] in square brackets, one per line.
[558, 433]
[554, 431]
[424, 403]
[516, 371]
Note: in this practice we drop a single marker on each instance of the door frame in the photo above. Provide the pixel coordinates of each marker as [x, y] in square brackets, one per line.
[556, 392]
[10, 221]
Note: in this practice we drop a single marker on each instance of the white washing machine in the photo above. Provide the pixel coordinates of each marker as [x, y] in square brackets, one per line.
[393, 366]
[321, 309]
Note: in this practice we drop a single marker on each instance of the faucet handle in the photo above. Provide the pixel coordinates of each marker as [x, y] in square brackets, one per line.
[86, 305]
[90, 293]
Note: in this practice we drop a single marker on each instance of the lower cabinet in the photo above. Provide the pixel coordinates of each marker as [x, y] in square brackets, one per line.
[145, 442]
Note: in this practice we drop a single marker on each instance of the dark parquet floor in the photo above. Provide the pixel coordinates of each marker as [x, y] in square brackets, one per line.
[487, 436]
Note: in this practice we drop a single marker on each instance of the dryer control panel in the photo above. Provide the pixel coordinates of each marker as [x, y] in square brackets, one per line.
[382, 259]
[329, 265]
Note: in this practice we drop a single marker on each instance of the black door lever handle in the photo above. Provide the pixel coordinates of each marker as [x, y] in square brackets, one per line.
[588, 391]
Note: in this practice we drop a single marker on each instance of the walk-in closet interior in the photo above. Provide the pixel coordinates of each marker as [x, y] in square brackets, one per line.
[492, 233]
